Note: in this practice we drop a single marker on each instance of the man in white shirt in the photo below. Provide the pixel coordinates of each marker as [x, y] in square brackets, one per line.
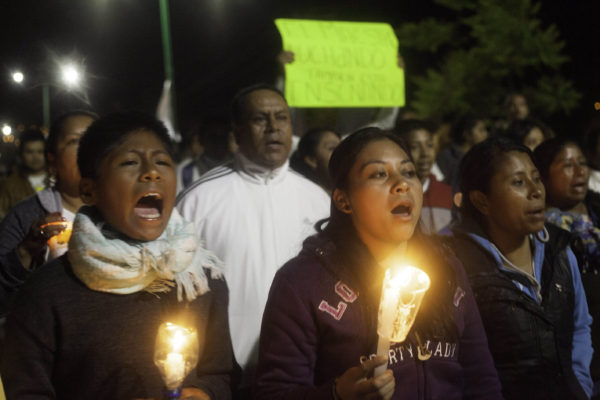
[254, 212]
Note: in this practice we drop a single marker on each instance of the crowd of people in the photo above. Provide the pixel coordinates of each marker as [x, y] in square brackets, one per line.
[273, 247]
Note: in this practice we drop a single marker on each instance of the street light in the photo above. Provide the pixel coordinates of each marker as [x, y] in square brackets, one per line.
[70, 75]
[18, 76]
[6, 130]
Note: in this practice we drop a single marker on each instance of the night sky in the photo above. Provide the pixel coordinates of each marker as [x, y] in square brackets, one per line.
[219, 46]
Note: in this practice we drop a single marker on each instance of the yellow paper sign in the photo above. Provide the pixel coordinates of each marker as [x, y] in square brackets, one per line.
[341, 64]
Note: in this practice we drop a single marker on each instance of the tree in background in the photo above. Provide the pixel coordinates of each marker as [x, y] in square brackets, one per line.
[489, 49]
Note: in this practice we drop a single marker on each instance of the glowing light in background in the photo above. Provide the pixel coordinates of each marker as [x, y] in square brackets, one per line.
[70, 75]
[18, 76]
[6, 130]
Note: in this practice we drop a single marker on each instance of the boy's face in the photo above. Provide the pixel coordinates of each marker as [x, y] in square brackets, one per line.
[33, 156]
[422, 150]
[135, 186]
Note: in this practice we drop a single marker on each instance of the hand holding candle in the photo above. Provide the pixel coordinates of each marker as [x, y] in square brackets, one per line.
[176, 353]
[59, 233]
[401, 296]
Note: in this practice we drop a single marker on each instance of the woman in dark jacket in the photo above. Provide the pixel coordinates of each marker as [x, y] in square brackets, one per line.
[23, 245]
[524, 276]
[573, 207]
[319, 331]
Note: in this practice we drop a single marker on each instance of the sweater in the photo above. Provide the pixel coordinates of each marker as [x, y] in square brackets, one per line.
[317, 324]
[65, 341]
[436, 212]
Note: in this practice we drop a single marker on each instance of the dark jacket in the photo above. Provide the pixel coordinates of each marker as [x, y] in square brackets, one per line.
[65, 341]
[317, 324]
[531, 339]
[591, 281]
[13, 229]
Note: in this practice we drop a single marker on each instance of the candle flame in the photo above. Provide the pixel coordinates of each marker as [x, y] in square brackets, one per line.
[403, 290]
[176, 353]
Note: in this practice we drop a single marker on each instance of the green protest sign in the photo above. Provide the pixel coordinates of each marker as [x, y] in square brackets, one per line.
[341, 64]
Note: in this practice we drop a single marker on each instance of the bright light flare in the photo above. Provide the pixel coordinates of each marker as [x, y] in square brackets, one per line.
[18, 76]
[71, 75]
[6, 130]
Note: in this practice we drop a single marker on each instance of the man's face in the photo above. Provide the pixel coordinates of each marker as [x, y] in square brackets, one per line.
[264, 133]
[422, 150]
[518, 108]
[33, 156]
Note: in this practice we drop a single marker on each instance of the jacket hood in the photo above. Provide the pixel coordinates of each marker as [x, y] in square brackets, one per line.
[352, 264]
[50, 200]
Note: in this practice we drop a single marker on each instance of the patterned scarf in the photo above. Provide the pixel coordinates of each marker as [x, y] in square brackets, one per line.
[107, 261]
[583, 227]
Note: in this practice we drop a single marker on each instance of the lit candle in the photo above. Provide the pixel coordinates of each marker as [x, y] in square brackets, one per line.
[174, 367]
[401, 295]
[58, 243]
[175, 353]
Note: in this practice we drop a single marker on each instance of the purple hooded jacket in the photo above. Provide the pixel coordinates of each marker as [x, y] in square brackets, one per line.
[316, 325]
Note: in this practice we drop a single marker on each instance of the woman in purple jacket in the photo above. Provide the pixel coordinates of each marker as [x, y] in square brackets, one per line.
[319, 331]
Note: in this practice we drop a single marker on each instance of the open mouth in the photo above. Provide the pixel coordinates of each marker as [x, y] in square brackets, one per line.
[149, 206]
[271, 143]
[538, 212]
[402, 210]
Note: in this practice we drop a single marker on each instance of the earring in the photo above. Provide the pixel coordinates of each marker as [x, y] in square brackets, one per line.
[52, 179]
[545, 238]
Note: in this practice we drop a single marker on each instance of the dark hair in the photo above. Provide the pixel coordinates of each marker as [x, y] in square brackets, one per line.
[108, 132]
[30, 135]
[435, 318]
[519, 129]
[546, 152]
[239, 100]
[56, 129]
[307, 147]
[509, 98]
[478, 167]
[462, 125]
[405, 126]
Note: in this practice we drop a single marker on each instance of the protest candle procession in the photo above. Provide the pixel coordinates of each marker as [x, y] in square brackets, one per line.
[299, 200]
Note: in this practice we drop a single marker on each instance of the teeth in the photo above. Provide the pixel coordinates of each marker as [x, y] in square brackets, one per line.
[147, 213]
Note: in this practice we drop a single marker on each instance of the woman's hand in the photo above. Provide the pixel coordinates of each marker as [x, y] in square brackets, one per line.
[33, 245]
[354, 384]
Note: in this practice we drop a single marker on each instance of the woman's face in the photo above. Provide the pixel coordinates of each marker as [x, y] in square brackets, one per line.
[135, 187]
[383, 198]
[64, 160]
[534, 138]
[478, 134]
[327, 144]
[422, 150]
[568, 178]
[514, 206]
